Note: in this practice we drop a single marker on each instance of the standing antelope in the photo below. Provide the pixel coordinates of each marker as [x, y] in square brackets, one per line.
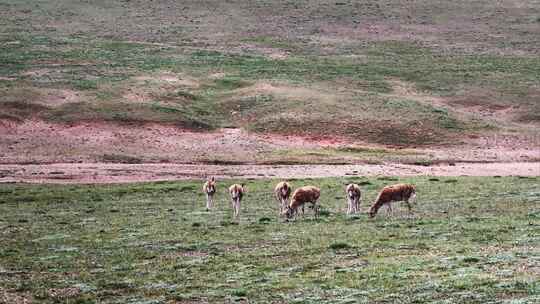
[236, 191]
[354, 196]
[394, 193]
[209, 188]
[282, 192]
[306, 194]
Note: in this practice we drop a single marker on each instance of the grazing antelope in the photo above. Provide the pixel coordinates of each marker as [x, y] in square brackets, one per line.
[306, 194]
[394, 193]
[282, 192]
[354, 196]
[237, 192]
[209, 188]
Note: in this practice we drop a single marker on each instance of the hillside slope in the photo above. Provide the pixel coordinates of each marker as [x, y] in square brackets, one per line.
[426, 75]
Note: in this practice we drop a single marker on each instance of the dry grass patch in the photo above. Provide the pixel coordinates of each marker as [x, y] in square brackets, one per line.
[167, 77]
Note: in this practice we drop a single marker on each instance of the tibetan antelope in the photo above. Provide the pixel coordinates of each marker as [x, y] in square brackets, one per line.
[282, 191]
[209, 188]
[306, 194]
[394, 193]
[237, 192]
[354, 196]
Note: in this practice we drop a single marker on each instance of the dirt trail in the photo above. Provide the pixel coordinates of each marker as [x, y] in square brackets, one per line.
[124, 173]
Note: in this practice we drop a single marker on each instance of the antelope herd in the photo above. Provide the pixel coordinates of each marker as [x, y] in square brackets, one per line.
[310, 194]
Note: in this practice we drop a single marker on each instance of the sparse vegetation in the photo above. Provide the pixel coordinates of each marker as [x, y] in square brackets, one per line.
[471, 240]
[342, 155]
[122, 159]
[355, 74]
[94, 81]
[339, 245]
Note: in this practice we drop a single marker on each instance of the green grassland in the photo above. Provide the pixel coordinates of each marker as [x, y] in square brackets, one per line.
[98, 49]
[471, 240]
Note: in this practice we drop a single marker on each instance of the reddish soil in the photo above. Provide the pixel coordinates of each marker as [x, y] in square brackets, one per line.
[41, 142]
[38, 142]
[123, 173]
[40, 152]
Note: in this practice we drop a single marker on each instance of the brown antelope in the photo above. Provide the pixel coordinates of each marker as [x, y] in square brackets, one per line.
[237, 192]
[394, 193]
[282, 191]
[306, 194]
[354, 196]
[209, 188]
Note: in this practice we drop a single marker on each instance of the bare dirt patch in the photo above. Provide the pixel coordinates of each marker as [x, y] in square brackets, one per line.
[169, 78]
[272, 53]
[60, 97]
[124, 173]
[217, 75]
[14, 298]
[41, 96]
[35, 141]
[36, 72]
[164, 88]
[29, 151]
[404, 89]
[63, 293]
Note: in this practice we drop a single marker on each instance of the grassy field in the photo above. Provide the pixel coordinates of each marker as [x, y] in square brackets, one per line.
[119, 81]
[471, 240]
[312, 68]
